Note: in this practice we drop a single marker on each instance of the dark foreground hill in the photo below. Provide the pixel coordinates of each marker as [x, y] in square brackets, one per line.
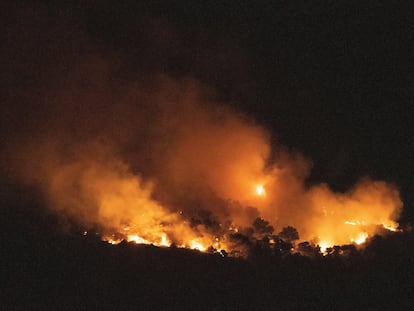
[45, 269]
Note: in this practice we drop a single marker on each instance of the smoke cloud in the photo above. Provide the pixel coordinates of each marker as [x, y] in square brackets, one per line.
[162, 160]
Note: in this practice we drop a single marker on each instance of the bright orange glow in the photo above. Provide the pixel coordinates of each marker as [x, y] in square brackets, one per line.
[390, 227]
[324, 246]
[164, 241]
[137, 239]
[175, 167]
[197, 245]
[260, 191]
[361, 238]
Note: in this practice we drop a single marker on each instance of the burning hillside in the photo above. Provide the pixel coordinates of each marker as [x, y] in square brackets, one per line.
[167, 155]
[164, 162]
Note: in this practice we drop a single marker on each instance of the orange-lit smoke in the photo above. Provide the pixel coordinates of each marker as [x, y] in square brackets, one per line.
[165, 162]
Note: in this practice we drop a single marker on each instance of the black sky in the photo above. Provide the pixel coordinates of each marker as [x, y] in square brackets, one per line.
[330, 79]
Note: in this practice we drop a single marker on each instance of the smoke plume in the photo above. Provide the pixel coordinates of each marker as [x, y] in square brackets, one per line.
[162, 160]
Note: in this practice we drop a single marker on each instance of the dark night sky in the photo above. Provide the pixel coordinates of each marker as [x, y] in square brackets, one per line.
[331, 79]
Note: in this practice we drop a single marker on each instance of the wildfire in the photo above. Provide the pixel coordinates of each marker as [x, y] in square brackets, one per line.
[199, 236]
[192, 173]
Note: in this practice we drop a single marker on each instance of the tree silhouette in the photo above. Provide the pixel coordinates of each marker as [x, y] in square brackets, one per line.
[262, 227]
[308, 249]
[289, 234]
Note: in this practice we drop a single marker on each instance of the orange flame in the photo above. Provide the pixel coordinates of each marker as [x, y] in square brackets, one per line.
[260, 190]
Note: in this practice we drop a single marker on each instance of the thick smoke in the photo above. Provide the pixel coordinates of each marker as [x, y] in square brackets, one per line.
[163, 160]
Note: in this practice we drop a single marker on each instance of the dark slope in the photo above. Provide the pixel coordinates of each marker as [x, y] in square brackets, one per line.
[42, 268]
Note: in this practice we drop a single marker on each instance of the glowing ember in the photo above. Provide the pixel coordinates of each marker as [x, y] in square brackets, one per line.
[391, 227]
[112, 241]
[260, 190]
[353, 223]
